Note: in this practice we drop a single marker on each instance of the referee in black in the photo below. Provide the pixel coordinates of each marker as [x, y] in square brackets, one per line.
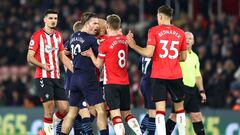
[194, 90]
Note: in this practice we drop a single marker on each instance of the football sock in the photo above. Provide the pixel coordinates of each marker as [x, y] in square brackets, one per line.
[144, 123]
[170, 125]
[118, 125]
[199, 128]
[181, 122]
[160, 123]
[133, 124]
[151, 126]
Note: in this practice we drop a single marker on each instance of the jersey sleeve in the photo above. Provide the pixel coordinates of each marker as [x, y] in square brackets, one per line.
[95, 46]
[60, 40]
[197, 71]
[183, 44]
[151, 38]
[140, 64]
[34, 43]
[102, 50]
[67, 45]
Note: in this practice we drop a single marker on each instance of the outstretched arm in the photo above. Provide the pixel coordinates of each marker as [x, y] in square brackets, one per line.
[147, 52]
[98, 62]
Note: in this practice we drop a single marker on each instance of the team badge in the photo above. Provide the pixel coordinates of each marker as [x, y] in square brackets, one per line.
[48, 49]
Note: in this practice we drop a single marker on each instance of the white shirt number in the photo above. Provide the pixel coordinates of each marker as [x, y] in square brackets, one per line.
[121, 57]
[172, 48]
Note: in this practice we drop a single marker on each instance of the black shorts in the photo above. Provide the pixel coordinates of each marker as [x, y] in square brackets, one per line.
[50, 89]
[160, 87]
[117, 96]
[192, 100]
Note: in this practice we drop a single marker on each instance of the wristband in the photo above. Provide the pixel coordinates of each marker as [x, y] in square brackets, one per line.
[202, 91]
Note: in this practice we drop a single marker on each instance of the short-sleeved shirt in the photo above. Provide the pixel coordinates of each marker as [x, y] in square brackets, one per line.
[47, 48]
[169, 41]
[100, 71]
[190, 69]
[114, 51]
[145, 66]
[80, 42]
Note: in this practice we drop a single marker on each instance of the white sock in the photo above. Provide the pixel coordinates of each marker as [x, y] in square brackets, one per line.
[48, 128]
[181, 122]
[119, 129]
[160, 123]
[56, 119]
[133, 124]
[118, 125]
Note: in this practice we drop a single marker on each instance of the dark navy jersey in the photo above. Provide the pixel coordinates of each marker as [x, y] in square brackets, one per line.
[80, 42]
[66, 46]
[145, 66]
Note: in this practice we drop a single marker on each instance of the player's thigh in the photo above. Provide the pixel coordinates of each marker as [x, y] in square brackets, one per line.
[112, 96]
[176, 90]
[59, 91]
[76, 98]
[45, 89]
[124, 97]
[159, 89]
[146, 91]
[93, 94]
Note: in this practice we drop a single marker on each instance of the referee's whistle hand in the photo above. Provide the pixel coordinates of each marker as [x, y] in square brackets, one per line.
[203, 97]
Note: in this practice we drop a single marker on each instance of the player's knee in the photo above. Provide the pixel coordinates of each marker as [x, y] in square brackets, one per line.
[196, 117]
[64, 109]
[101, 112]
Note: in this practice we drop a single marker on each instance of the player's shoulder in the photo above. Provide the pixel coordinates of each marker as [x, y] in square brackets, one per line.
[57, 32]
[38, 32]
[177, 29]
[154, 28]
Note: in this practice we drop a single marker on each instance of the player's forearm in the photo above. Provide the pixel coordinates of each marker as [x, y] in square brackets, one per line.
[183, 56]
[34, 61]
[95, 61]
[142, 51]
[199, 83]
[66, 61]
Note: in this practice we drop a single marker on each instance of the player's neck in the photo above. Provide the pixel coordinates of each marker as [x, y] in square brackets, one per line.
[165, 22]
[112, 33]
[48, 30]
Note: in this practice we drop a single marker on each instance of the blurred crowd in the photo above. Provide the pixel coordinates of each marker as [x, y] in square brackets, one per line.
[217, 42]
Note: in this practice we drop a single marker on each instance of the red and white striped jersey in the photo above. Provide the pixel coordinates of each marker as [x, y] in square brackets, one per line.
[47, 48]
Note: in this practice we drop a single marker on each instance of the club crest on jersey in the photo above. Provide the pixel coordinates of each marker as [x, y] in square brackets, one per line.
[48, 49]
[31, 42]
[59, 40]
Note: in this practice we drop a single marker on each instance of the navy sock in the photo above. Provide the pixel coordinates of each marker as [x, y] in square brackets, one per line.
[104, 132]
[59, 127]
[77, 126]
[144, 123]
[61, 133]
[151, 126]
[170, 125]
[87, 126]
[92, 117]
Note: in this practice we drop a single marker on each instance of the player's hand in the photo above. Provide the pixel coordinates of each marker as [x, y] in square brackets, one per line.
[131, 42]
[203, 97]
[87, 53]
[47, 67]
